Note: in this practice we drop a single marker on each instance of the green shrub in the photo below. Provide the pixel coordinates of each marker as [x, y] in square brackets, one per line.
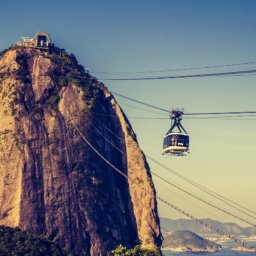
[15, 242]
[67, 71]
[136, 251]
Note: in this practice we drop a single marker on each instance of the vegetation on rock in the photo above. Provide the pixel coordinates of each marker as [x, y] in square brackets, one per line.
[14, 242]
[67, 71]
[136, 251]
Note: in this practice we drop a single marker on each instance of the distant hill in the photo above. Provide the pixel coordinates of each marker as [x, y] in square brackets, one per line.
[14, 242]
[169, 225]
[187, 241]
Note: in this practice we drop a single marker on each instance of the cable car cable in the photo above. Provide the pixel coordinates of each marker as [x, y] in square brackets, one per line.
[216, 193]
[140, 102]
[178, 187]
[220, 113]
[232, 117]
[185, 114]
[252, 71]
[206, 190]
[204, 201]
[166, 187]
[143, 109]
[162, 114]
[179, 69]
[209, 192]
[221, 118]
[124, 175]
[134, 181]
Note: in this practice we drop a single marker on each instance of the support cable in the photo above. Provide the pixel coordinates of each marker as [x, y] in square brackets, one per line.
[178, 187]
[204, 189]
[218, 74]
[179, 69]
[140, 102]
[185, 114]
[134, 181]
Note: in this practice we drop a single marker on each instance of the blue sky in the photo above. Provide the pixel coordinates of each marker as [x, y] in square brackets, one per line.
[131, 36]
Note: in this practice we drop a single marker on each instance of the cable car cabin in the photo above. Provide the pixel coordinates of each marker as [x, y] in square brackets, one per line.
[176, 143]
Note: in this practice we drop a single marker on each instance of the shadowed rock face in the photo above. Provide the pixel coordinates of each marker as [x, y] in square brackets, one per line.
[51, 180]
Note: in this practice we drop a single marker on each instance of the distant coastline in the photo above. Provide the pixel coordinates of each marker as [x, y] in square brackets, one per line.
[185, 250]
[187, 241]
[243, 249]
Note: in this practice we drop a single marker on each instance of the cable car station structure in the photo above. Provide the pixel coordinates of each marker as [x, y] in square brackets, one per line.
[41, 41]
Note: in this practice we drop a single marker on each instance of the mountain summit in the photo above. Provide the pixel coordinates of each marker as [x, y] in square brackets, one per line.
[52, 182]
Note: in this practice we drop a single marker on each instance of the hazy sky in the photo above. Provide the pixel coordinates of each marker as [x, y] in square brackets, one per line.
[140, 36]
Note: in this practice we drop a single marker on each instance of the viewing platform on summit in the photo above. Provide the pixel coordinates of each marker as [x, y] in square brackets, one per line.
[41, 41]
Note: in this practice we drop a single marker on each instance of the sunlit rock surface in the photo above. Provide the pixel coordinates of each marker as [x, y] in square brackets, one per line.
[51, 181]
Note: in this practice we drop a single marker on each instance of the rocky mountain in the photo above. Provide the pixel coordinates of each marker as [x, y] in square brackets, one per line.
[169, 225]
[52, 182]
[15, 242]
[249, 230]
[187, 241]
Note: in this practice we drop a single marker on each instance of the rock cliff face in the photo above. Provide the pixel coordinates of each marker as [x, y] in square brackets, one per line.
[52, 182]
